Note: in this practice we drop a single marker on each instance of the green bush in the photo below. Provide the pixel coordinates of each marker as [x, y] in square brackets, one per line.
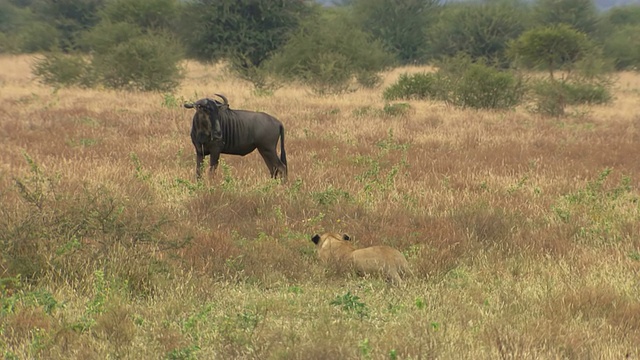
[60, 70]
[548, 97]
[327, 53]
[147, 62]
[327, 72]
[463, 83]
[478, 85]
[415, 86]
[587, 93]
[123, 57]
[484, 87]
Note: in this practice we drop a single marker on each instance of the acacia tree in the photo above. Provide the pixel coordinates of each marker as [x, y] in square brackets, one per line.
[562, 47]
[552, 47]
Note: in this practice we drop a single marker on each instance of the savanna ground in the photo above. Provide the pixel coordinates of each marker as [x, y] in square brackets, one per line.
[522, 231]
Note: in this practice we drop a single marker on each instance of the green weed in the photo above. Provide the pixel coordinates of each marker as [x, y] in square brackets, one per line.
[141, 173]
[330, 196]
[351, 303]
[169, 101]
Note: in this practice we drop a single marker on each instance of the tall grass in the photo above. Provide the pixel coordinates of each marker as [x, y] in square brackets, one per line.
[522, 231]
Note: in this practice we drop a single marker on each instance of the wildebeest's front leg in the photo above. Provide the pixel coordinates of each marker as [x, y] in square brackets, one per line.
[214, 156]
[213, 161]
[199, 161]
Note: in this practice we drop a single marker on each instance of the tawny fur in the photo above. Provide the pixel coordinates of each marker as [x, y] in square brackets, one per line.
[382, 260]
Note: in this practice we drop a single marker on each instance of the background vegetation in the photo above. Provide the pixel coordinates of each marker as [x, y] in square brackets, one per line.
[332, 49]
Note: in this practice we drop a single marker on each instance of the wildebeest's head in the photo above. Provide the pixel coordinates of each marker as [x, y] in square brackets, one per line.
[206, 121]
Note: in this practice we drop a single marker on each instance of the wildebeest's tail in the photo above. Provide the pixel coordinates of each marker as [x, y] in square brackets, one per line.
[283, 154]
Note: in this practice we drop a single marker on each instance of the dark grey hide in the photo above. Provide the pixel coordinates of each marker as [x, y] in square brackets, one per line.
[218, 129]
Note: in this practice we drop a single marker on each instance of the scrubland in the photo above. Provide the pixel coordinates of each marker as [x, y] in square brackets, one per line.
[523, 232]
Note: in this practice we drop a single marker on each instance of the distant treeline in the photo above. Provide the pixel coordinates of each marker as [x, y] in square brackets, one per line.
[301, 39]
[250, 31]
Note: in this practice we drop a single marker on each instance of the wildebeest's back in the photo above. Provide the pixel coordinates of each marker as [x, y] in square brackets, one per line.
[244, 131]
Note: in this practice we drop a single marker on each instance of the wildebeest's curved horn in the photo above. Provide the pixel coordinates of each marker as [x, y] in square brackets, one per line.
[226, 102]
[188, 105]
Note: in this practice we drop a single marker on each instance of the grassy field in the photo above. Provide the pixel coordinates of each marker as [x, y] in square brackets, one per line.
[523, 232]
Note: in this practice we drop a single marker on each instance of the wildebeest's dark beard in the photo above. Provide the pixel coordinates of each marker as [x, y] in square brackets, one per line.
[203, 127]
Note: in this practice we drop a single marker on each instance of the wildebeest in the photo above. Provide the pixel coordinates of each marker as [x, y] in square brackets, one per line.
[218, 129]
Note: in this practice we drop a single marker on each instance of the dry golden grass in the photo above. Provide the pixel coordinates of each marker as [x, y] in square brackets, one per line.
[523, 232]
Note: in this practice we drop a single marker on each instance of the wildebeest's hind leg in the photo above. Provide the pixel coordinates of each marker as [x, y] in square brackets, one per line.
[276, 167]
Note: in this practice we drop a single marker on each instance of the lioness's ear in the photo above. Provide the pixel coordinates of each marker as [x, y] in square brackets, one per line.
[315, 239]
[346, 237]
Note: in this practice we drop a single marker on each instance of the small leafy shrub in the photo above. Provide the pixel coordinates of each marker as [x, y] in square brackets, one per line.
[414, 86]
[587, 93]
[60, 70]
[330, 196]
[551, 97]
[398, 109]
[184, 353]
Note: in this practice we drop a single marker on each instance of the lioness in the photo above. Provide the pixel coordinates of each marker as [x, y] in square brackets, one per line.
[334, 247]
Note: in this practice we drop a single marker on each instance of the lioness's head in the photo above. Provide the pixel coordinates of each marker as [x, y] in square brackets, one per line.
[320, 239]
[333, 246]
